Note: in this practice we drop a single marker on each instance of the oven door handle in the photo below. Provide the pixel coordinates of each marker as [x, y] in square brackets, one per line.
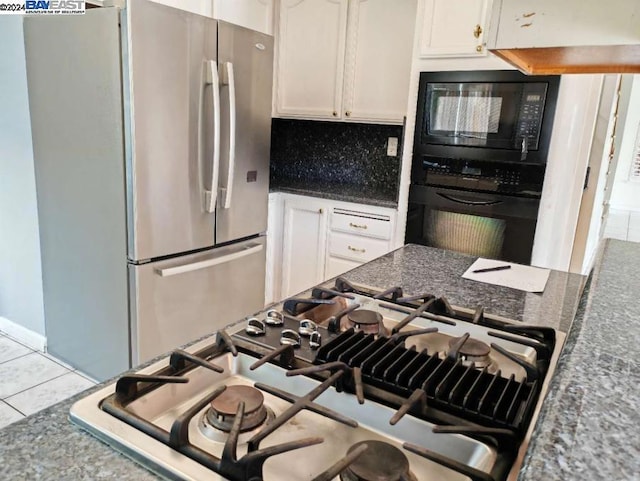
[469, 202]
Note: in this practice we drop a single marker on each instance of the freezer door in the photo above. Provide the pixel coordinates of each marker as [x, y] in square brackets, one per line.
[179, 300]
[171, 93]
[245, 61]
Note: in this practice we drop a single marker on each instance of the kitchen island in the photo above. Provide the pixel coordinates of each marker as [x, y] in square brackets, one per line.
[586, 429]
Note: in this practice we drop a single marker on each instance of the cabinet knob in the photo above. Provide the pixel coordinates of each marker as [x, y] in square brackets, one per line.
[348, 113]
[321, 210]
[355, 249]
[479, 48]
[477, 31]
[335, 114]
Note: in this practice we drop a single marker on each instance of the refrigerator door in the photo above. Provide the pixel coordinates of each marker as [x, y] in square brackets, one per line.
[172, 97]
[245, 61]
[179, 300]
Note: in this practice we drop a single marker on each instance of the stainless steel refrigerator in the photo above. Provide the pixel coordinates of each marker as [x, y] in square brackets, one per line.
[151, 133]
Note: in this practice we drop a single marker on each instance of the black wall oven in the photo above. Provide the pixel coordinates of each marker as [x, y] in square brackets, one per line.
[480, 149]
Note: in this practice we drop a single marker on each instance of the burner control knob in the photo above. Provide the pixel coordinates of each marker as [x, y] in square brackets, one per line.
[255, 327]
[289, 337]
[274, 318]
[307, 327]
[315, 340]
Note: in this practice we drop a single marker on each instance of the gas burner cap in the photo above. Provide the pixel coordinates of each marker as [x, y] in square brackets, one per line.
[366, 320]
[222, 412]
[380, 462]
[472, 347]
[471, 351]
[365, 316]
[227, 402]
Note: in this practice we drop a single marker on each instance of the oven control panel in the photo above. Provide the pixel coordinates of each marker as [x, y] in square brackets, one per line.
[480, 176]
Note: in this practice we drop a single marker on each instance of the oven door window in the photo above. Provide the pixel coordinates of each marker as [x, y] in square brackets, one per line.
[471, 234]
[486, 225]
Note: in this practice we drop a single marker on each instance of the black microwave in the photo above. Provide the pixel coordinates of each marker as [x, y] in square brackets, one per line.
[495, 115]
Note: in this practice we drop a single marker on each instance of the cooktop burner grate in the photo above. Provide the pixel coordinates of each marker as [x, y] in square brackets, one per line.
[468, 392]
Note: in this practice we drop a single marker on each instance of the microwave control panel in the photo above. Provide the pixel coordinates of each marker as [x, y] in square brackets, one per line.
[530, 118]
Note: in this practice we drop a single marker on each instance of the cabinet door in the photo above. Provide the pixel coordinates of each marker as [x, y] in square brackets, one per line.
[454, 28]
[275, 226]
[254, 14]
[310, 57]
[378, 64]
[337, 266]
[201, 7]
[304, 241]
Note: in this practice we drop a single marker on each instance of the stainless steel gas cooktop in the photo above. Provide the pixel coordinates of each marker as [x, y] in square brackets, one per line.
[347, 384]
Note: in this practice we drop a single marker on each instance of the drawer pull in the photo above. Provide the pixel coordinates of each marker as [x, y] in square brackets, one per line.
[355, 249]
[358, 226]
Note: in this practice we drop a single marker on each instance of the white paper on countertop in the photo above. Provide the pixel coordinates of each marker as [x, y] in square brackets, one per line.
[521, 277]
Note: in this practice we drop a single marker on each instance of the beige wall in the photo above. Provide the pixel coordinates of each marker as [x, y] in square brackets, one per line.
[626, 193]
[20, 268]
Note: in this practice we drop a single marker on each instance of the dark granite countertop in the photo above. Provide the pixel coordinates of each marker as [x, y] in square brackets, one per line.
[344, 192]
[587, 426]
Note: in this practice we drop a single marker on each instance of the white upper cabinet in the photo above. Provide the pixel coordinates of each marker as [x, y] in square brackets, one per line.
[378, 64]
[310, 57]
[201, 7]
[254, 14]
[344, 59]
[454, 28]
[564, 23]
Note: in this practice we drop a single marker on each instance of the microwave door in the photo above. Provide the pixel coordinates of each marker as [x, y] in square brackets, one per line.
[491, 115]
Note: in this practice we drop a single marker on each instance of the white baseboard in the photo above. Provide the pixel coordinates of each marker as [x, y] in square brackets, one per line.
[21, 334]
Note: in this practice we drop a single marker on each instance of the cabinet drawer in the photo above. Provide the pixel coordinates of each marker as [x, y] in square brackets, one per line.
[362, 224]
[356, 248]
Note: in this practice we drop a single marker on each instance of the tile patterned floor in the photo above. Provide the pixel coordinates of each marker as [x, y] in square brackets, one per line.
[31, 381]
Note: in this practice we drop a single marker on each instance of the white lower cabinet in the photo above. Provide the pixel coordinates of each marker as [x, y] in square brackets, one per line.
[321, 239]
[336, 266]
[356, 248]
[303, 244]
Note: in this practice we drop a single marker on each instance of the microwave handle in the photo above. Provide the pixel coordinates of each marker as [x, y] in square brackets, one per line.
[469, 202]
[525, 150]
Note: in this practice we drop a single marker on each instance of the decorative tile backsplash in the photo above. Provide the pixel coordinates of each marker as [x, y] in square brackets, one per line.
[335, 153]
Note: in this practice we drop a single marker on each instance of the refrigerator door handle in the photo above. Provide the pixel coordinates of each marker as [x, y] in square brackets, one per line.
[215, 261]
[212, 79]
[228, 79]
